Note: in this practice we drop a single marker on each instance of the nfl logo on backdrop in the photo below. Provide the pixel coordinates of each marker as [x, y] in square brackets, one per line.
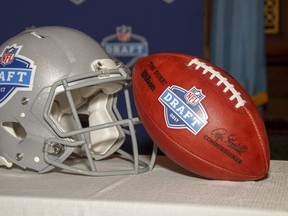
[16, 73]
[183, 109]
[125, 45]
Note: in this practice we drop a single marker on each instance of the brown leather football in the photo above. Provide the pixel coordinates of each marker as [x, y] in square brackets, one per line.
[200, 117]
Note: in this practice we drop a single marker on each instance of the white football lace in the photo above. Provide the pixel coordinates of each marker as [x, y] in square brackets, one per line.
[214, 73]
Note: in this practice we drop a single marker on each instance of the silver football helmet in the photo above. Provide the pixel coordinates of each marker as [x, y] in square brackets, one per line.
[58, 104]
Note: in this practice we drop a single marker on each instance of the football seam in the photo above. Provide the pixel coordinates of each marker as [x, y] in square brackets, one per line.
[196, 156]
[258, 136]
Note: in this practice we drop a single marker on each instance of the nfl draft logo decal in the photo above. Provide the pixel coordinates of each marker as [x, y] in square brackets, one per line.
[16, 73]
[183, 109]
[125, 45]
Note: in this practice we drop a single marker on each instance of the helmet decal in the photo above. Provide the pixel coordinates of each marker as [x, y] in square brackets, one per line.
[16, 73]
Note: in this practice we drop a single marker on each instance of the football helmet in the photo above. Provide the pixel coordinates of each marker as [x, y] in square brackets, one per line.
[58, 105]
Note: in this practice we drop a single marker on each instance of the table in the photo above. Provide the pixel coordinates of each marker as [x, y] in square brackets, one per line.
[166, 190]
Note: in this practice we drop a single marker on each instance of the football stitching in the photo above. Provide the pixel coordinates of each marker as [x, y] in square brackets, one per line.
[258, 133]
[214, 73]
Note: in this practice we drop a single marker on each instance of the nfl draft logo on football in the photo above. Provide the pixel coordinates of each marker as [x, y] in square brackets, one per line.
[183, 109]
[125, 45]
[16, 73]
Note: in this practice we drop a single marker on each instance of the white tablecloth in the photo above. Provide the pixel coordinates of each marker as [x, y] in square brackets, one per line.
[166, 190]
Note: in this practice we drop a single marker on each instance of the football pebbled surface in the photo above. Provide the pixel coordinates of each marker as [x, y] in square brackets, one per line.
[200, 117]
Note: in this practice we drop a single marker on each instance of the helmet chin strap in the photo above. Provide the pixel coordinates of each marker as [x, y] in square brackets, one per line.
[104, 142]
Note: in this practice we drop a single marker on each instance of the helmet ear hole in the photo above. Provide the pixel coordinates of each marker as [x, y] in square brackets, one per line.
[15, 129]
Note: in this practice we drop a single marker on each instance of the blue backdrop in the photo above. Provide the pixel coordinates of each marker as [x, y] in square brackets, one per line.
[126, 28]
[175, 26]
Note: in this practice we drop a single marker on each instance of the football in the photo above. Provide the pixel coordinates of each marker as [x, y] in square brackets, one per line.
[200, 117]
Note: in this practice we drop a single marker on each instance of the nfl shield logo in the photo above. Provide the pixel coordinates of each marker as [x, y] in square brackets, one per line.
[194, 96]
[8, 55]
[124, 33]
